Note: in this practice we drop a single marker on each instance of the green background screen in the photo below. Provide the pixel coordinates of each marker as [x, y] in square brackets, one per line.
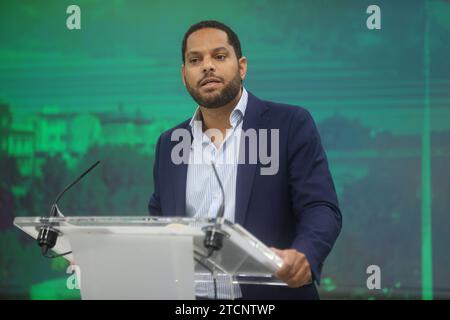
[380, 98]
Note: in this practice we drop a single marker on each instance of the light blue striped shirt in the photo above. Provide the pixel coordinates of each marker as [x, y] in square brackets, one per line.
[203, 195]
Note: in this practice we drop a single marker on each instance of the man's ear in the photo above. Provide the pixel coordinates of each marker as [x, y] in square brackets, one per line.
[182, 74]
[243, 67]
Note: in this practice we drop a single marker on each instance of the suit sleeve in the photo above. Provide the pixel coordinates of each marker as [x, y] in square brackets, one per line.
[314, 200]
[154, 205]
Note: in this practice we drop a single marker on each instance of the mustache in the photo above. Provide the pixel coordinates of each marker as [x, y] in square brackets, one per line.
[209, 76]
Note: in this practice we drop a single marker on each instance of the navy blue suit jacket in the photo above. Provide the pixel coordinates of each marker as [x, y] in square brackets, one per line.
[295, 208]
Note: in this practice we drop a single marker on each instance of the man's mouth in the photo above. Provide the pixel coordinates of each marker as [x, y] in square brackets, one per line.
[210, 82]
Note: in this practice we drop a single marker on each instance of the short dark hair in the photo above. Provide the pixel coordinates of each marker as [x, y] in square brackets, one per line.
[233, 39]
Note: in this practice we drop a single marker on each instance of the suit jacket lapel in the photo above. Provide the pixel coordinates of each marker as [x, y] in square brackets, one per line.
[253, 119]
[179, 181]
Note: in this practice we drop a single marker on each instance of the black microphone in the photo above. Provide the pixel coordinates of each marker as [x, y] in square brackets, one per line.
[214, 234]
[47, 235]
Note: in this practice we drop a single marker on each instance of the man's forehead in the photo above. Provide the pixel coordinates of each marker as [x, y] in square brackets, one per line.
[207, 39]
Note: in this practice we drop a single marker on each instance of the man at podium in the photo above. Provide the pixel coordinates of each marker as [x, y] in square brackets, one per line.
[272, 173]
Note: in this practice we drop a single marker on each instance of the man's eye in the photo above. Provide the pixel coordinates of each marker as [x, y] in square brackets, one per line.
[220, 57]
[193, 60]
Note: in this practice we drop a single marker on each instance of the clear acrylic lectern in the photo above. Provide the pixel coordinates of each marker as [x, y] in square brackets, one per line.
[153, 257]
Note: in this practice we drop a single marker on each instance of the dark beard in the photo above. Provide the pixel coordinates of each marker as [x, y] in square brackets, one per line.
[228, 93]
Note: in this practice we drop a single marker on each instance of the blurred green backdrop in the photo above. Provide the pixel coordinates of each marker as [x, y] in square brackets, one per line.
[381, 99]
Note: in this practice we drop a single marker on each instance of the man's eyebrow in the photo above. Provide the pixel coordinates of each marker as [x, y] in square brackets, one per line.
[220, 49]
[193, 53]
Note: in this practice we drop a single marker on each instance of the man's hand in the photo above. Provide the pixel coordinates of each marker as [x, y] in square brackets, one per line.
[295, 271]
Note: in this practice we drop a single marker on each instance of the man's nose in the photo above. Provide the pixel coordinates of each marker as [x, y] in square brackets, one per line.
[208, 65]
